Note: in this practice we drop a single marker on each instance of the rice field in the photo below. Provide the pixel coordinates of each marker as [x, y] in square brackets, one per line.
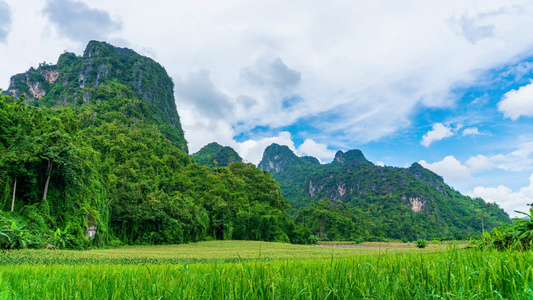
[278, 271]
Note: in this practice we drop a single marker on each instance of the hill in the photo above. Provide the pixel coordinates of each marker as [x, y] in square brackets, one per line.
[98, 157]
[215, 155]
[90, 78]
[351, 198]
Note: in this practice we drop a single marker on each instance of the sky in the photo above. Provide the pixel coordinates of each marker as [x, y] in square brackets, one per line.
[446, 83]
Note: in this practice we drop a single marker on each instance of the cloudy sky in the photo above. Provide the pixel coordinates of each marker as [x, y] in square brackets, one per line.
[445, 83]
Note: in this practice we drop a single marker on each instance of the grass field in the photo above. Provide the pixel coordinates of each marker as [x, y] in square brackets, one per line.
[220, 251]
[213, 270]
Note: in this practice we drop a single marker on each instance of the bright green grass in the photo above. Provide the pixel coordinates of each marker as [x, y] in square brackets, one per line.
[452, 274]
[220, 251]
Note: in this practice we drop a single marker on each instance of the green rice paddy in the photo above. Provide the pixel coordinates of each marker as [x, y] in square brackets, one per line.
[259, 270]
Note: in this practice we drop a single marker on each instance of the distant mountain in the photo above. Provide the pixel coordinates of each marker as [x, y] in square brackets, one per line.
[383, 201]
[215, 155]
[94, 76]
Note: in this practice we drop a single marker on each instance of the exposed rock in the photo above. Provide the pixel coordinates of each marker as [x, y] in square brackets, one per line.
[50, 75]
[36, 90]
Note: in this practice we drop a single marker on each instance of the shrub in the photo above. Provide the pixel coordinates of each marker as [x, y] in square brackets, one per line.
[421, 243]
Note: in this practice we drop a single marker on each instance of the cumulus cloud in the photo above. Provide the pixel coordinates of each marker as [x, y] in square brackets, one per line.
[438, 133]
[506, 198]
[5, 20]
[271, 74]
[516, 103]
[480, 163]
[471, 131]
[198, 91]
[311, 148]
[252, 150]
[469, 28]
[77, 21]
[449, 168]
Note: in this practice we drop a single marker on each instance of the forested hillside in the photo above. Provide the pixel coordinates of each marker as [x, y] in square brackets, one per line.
[215, 155]
[351, 198]
[112, 168]
[77, 80]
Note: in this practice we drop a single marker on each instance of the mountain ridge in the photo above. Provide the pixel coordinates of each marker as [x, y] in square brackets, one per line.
[369, 191]
[78, 80]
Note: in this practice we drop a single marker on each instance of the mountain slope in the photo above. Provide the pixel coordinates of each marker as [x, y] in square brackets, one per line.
[215, 155]
[112, 170]
[393, 202]
[92, 77]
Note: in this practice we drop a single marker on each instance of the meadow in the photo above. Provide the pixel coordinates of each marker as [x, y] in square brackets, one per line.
[260, 270]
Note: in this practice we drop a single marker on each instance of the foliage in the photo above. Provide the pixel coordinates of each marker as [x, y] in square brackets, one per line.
[108, 165]
[515, 236]
[373, 202]
[453, 274]
[421, 243]
[214, 155]
[104, 72]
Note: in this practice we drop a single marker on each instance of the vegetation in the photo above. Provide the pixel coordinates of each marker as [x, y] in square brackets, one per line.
[448, 274]
[214, 155]
[352, 199]
[516, 236]
[87, 79]
[421, 243]
[105, 166]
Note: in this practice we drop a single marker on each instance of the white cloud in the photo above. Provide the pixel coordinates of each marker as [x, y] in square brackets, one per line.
[335, 58]
[480, 163]
[77, 21]
[5, 20]
[471, 131]
[318, 150]
[516, 103]
[252, 150]
[438, 133]
[506, 198]
[449, 168]
[468, 27]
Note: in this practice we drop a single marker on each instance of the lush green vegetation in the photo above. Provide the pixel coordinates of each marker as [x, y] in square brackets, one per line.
[448, 274]
[104, 165]
[515, 236]
[352, 199]
[78, 80]
[214, 155]
[208, 252]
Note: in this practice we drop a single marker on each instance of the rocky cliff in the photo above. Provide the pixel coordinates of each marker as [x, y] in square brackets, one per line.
[76, 80]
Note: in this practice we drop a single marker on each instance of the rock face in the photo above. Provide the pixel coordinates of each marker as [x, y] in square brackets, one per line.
[83, 79]
[215, 155]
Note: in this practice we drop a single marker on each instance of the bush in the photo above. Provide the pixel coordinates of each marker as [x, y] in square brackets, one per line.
[518, 236]
[421, 243]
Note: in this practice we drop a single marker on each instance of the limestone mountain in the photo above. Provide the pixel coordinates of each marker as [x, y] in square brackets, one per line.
[94, 76]
[383, 201]
[216, 155]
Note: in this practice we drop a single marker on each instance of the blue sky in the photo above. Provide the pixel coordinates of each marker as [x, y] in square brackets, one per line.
[444, 83]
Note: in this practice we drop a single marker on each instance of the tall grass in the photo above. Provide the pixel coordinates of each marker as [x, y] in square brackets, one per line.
[454, 274]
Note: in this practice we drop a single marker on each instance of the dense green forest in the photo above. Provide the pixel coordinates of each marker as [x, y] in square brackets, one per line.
[110, 169]
[353, 199]
[215, 155]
